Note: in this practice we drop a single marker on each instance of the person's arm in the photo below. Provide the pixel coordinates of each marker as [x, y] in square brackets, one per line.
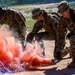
[37, 27]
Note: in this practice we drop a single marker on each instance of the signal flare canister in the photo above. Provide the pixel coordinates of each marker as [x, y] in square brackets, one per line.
[37, 61]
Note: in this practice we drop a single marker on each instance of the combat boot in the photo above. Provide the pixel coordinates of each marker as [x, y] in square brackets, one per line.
[60, 54]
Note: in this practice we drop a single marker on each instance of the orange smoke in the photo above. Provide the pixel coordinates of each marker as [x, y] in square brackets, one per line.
[32, 56]
[12, 55]
[37, 61]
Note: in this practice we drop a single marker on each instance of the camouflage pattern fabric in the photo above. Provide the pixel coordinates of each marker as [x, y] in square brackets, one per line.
[71, 26]
[71, 36]
[55, 29]
[61, 32]
[15, 21]
[47, 25]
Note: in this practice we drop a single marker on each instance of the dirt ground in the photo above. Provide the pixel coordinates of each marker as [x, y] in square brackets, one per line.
[58, 69]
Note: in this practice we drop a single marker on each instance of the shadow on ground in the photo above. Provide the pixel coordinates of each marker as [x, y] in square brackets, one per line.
[65, 71]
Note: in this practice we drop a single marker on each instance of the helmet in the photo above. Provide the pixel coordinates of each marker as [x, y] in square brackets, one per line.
[36, 12]
[63, 5]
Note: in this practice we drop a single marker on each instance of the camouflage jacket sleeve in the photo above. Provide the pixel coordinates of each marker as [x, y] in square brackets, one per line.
[60, 30]
[37, 27]
[21, 24]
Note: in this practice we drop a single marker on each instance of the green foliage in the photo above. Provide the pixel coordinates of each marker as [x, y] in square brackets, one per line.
[30, 24]
[72, 5]
[29, 21]
[18, 2]
[49, 7]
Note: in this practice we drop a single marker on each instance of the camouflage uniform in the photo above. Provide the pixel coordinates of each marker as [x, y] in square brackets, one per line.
[71, 36]
[15, 21]
[69, 14]
[54, 30]
[61, 32]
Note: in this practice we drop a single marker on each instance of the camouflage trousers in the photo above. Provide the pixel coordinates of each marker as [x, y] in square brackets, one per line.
[72, 51]
[60, 53]
[45, 36]
[72, 46]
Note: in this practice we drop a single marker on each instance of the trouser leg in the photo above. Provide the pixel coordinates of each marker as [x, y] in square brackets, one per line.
[60, 51]
[43, 36]
[72, 47]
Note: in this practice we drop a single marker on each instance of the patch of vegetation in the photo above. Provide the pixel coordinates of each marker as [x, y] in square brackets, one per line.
[18, 5]
[30, 24]
[50, 7]
[72, 5]
[28, 17]
[29, 21]
[28, 10]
